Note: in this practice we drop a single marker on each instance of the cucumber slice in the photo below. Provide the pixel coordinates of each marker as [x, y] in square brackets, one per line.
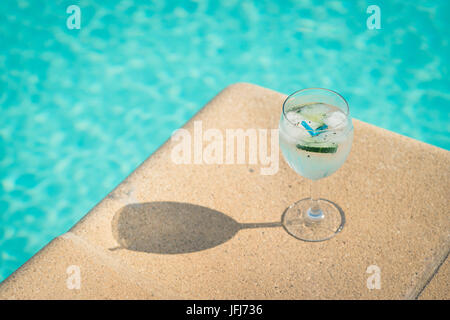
[312, 111]
[319, 148]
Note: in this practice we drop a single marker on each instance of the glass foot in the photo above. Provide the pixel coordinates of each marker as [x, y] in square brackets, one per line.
[304, 224]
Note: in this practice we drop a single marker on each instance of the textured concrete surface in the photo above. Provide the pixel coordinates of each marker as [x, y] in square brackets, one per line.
[439, 286]
[50, 275]
[212, 231]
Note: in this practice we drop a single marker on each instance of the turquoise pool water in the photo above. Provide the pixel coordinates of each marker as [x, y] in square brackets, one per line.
[80, 109]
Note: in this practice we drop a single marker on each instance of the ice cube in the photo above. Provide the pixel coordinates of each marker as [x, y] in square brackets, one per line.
[294, 117]
[293, 127]
[335, 120]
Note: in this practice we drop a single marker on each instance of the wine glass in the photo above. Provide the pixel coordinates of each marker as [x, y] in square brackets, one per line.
[316, 134]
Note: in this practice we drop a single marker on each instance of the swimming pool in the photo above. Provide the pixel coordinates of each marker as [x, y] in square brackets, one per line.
[80, 109]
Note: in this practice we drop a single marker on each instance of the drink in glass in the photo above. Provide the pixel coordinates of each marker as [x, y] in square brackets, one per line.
[316, 135]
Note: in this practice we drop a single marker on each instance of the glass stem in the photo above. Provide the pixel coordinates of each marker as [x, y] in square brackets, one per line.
[314, 212]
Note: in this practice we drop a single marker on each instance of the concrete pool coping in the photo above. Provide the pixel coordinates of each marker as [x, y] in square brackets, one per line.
[211, 231]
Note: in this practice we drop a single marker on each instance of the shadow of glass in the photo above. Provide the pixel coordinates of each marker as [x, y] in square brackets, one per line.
[174, 227]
